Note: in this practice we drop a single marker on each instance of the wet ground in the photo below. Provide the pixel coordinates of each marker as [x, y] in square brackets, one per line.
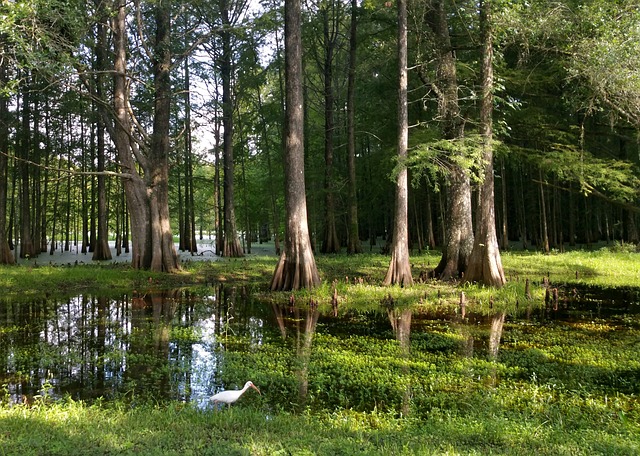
[188, 344]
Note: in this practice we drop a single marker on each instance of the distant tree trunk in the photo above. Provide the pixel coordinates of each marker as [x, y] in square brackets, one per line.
[13, 228]
[45, 191]
[296, 268]
[505, 207]
[458, 224]
[6, 256]
[182, 228]
[399, 271]
[188, 227]
[353, 239]
[27, 247]
[544, 231]
[231, 243]
[101, 250]
[219, 210]
[37, 200]
[248, 232]
[330, 243]
[272, 192]
[87, 157]
[431, 238]
[485, 264]
[55, 209]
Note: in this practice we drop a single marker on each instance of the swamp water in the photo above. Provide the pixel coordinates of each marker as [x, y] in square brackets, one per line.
[188, 344]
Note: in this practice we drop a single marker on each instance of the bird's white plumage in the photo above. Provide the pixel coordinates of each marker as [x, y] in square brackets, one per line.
[230, 396]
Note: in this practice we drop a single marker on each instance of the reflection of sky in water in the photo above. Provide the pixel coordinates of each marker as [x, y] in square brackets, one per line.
[204, 364]
[89, 347]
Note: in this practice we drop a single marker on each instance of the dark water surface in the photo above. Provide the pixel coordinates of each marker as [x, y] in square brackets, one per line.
[191, 343]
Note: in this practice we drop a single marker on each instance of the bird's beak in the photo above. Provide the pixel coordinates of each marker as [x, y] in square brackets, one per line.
[256, 388]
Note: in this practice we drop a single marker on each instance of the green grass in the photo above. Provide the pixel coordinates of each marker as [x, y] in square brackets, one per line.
[528, 421]
[546, 394]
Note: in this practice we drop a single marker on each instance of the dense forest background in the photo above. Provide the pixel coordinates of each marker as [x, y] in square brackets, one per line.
[109, 107]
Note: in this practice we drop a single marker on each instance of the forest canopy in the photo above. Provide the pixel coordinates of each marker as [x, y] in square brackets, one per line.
[128, 123]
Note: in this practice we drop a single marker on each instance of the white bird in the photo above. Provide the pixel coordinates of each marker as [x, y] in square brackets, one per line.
[230, 396]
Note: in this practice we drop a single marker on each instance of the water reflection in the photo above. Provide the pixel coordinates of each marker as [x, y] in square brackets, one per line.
[400, 320]
[191, 343]
[304, 322]
[161, 344]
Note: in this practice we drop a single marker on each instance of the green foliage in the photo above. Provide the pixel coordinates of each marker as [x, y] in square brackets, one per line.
[43, 34]
[607, 57]
[432, 157]
[615, 179]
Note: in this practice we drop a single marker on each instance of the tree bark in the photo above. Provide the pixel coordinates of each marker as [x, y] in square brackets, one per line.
[101, 250]
[459, 230]
[272, 192]
[146, 194]
[231, 243]
[330, 243]
[296, 268]
[399, 271]
[6, 256]
[27, 247]
[505, 207]
[485, 264]
[353, 239]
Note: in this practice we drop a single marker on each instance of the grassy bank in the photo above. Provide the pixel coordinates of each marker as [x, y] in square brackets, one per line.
[539, 423]
[604, 267]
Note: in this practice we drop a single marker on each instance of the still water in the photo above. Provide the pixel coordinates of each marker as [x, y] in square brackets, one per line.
[188, 344]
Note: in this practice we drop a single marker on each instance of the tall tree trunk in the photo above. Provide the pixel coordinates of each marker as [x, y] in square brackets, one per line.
[27, 247]
[231, 243]
[67, 218]
[353, 239]
[296, 268]
[459, 230]
[147, 194]
[192, 204]
[330, 243]
[87, 155]
[6, 256]
[485, 264]
[218, 209]
[189, 222]
[55, 209]
[399, 271]
[272, 193]
[164, 253]
[45, 190]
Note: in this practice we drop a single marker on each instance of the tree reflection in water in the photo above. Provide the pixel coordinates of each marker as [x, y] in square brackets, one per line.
[303, 339]
[400, 320]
